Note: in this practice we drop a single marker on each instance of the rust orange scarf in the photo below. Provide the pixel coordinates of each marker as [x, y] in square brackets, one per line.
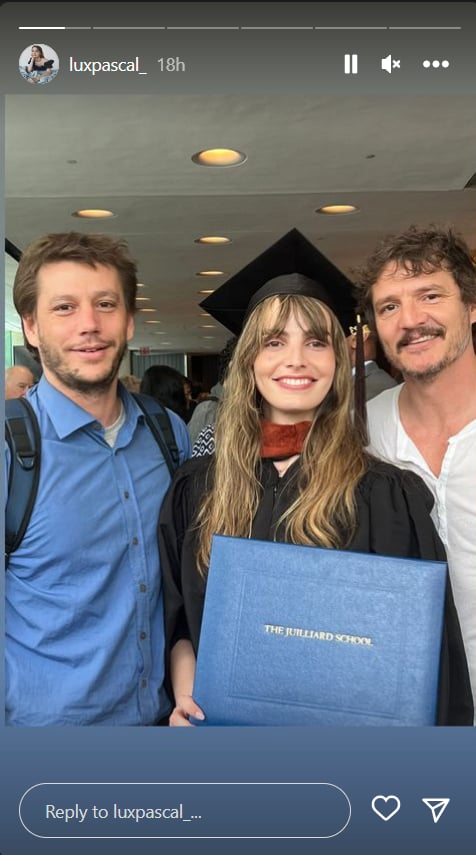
[282, 441]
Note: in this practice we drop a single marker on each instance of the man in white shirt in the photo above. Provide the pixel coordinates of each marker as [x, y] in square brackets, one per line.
[419, 290]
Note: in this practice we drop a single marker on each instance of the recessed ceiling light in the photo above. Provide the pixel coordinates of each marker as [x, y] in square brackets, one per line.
[140, 285]
[208, 336]
[94, 214]
[337, 209]
[147, 310]
[142, 299]
[213, 239]
[219, 157]
[207, 291]
[157, 332]
[208, 326]
[210, 273]
[152, 322]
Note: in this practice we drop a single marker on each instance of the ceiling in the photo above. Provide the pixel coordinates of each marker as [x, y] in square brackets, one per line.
[400, 160]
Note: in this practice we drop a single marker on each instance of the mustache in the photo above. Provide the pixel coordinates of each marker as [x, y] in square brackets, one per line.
[418, 332]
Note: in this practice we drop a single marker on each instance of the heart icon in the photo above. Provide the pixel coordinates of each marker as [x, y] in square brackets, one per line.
[389, 806]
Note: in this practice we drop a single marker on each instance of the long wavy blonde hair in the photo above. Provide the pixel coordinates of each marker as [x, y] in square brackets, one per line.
[333, 459]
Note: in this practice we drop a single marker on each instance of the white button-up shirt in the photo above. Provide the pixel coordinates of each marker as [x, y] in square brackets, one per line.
[454, 513]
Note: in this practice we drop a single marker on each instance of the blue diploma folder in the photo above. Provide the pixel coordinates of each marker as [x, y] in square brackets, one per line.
[298, 635]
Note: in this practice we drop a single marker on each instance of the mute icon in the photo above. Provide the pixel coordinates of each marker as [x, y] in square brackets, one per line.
[389, 64]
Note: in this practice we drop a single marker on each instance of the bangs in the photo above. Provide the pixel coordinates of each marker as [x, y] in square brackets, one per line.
[312, 317]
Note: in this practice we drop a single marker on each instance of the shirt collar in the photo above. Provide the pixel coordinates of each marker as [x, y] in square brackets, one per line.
[66, 416]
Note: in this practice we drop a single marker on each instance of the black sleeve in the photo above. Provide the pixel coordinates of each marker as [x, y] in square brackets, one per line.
[184, 588]
[173, 523]
[394, 508]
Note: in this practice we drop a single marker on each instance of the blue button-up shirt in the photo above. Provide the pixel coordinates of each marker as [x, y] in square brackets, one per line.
[84, 613]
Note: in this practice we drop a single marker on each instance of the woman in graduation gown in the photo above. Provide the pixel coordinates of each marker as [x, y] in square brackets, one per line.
[290, 465]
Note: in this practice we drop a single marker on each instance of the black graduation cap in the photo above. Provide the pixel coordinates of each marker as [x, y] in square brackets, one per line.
[293, 265]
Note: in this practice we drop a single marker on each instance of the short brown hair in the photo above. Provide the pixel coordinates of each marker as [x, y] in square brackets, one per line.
[418, 250]
[90, 249]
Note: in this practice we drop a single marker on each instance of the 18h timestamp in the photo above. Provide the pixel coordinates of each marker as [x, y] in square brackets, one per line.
[171, 63]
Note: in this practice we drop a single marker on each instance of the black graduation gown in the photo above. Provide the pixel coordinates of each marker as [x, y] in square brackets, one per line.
[393, 507]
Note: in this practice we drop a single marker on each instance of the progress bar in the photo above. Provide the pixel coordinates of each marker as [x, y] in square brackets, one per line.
[290, 28]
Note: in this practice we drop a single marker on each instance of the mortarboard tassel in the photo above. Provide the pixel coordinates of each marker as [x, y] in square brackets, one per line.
[360, 410]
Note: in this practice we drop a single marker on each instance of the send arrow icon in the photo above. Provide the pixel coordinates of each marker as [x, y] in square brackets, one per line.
[437, 807]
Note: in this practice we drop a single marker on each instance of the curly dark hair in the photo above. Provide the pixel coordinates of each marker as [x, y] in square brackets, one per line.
[418, 250]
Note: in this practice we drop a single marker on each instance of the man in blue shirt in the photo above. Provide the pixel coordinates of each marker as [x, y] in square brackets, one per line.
[84, 625]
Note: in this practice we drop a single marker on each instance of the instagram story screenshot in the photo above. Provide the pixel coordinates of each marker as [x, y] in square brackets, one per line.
[239, 310]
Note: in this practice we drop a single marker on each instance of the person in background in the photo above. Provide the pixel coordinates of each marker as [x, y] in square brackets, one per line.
[205, 412]
[84, 630]
[18, 379]
[418, 290]
[166, 385]
[190, 398]
[289, 463]
[376, 379]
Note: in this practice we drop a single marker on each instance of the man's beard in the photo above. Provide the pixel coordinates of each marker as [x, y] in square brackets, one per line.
[52, 360]
[426, 375]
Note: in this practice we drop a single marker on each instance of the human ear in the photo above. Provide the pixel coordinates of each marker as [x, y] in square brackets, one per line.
[30, 330]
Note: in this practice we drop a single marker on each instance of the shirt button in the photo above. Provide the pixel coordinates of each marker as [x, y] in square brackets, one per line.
[126, 494]
[135, 541]
[143, 635]
[143, 588]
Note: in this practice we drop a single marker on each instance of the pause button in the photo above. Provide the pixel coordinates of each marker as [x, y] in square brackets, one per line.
[351, 63]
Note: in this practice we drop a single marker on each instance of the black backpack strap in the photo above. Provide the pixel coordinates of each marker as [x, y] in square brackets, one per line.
[158, 420]
[23, 436]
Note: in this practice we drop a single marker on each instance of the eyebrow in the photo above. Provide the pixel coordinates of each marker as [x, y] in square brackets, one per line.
[308, 333]
[423, 289]
[96, 295]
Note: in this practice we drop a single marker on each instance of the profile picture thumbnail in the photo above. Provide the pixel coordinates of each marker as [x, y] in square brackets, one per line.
[38, 64]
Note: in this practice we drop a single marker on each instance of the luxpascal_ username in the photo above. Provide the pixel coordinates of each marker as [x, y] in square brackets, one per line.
[96, 66]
